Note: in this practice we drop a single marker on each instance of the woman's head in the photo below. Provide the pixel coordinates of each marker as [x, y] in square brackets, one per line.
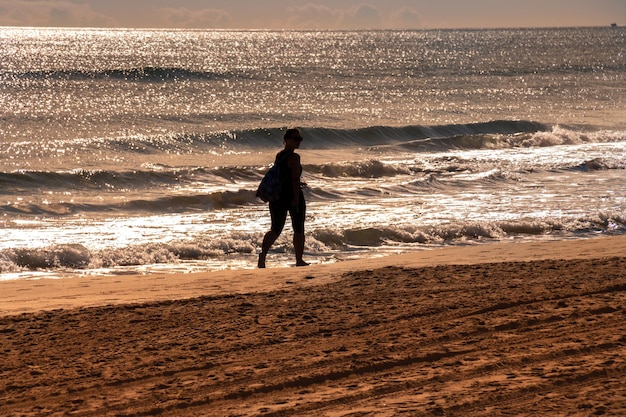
[292, 138]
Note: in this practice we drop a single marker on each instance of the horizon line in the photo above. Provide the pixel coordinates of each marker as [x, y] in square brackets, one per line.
[147, 28]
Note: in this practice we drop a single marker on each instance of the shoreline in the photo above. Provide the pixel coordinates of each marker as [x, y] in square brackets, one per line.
[32, 295]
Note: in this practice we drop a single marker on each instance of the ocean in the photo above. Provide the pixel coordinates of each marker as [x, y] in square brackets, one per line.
[139, 151]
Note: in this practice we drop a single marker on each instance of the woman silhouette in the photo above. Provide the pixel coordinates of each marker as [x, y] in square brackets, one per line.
[291, 200]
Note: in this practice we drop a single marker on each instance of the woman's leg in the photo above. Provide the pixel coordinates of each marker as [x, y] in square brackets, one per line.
[278, 213]
[268, 240]
[297, 221]
[298, 246]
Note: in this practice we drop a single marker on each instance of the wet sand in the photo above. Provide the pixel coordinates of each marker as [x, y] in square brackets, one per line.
[495, 329]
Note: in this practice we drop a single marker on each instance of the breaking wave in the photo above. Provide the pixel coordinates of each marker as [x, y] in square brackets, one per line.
[501, 134]
[169, 204]
[76, 256]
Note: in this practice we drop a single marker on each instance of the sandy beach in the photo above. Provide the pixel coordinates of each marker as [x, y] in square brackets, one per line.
[492, 329]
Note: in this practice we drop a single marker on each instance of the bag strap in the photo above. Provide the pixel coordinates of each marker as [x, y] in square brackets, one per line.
[286, 155]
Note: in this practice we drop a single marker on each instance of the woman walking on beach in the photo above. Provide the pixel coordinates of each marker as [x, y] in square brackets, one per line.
[291, 200]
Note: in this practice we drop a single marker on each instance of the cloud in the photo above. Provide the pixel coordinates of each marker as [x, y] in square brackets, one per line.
[50, 13]
[313, 16]
[196, 19]
[363, 17]
[405, 18]
[81, 13]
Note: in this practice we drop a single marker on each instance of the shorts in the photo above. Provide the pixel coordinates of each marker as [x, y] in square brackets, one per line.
[278, 213]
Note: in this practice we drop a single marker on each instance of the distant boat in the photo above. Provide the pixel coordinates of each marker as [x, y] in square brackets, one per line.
[613, 25]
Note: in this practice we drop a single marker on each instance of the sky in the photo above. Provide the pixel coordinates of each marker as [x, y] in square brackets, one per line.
[312, 14]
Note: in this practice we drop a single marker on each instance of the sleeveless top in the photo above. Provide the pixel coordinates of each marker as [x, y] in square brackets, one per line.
[282, 159]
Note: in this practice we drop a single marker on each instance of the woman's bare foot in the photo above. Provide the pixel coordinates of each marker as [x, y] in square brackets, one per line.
[302, 263]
